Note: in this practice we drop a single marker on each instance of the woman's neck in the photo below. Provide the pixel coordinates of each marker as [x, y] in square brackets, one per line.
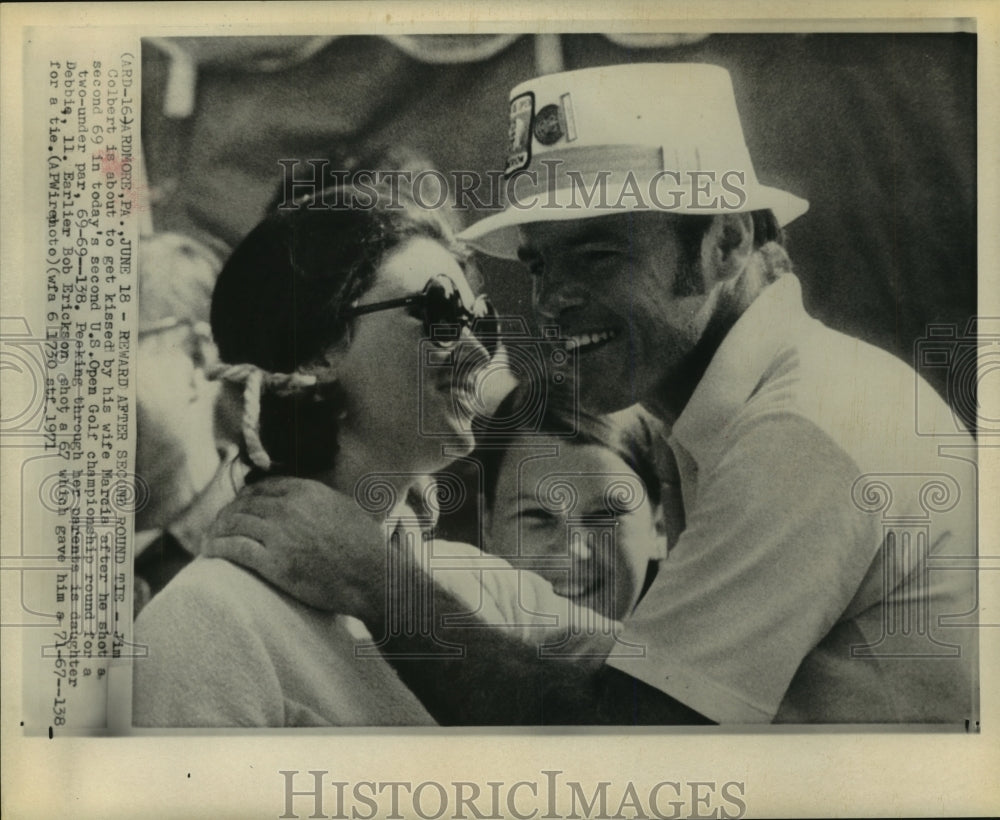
[365, 473]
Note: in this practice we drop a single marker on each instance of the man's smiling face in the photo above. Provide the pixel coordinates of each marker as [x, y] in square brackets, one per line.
[611, 283]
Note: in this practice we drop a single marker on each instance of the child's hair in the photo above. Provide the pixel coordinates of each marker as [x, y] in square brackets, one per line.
[631, 434]
[281, 302]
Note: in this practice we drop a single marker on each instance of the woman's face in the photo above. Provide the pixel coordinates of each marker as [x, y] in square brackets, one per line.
[402, 404]
[584, 511]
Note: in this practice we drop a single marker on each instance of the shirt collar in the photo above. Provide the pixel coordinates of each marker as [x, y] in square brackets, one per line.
[738, 365]
[417, 508]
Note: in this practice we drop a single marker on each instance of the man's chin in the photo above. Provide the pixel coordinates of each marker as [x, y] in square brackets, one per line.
[599, 400]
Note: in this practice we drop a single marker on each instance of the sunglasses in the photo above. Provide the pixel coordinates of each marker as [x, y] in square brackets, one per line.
[444, 314]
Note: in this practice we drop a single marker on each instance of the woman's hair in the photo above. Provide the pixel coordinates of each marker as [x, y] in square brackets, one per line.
[281, 302]
[630, 434]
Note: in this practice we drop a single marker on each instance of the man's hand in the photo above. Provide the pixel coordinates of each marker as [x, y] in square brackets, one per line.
[308, 540]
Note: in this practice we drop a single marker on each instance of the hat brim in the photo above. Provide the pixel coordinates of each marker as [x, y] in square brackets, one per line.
[497, 235]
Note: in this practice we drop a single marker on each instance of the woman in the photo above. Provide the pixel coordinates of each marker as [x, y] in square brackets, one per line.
[322, 316]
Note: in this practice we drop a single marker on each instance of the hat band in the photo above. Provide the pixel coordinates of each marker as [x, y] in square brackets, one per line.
[624, 176]
[590, 159]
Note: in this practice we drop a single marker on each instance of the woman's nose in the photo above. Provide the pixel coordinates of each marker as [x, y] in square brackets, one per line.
[489, 377]
[494, 381]
[473, 349]
[470, 355]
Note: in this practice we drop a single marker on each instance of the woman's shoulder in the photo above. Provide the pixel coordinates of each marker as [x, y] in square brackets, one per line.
[224, 648]
[218, 593]
[221, 576]
[205, 662]
[206, 586]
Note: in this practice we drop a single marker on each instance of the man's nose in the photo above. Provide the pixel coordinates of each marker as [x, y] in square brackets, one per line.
[552, 297]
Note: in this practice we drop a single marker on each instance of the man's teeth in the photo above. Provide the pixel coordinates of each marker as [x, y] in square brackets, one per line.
[583, 340]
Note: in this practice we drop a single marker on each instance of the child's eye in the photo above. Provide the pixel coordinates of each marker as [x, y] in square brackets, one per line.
[537, 517]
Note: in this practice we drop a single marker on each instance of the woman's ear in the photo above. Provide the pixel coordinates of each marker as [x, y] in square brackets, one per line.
[325, 367]
[727, 246]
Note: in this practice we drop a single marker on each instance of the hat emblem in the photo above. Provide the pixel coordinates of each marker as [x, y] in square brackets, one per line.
[548, 128]
[633, 137]
[522, 110]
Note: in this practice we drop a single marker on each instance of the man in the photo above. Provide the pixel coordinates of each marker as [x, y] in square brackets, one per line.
[819, 575]
[183, 479]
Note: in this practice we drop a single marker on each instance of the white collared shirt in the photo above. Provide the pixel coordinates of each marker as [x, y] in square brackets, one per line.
[826, 543]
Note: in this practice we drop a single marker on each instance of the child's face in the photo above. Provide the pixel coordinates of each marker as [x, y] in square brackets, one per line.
[585, 514]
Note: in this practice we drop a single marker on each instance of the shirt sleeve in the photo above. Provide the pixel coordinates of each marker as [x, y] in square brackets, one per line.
[773, 552]
[517, 602]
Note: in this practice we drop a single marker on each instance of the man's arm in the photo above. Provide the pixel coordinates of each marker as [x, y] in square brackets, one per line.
[501, 676]
[312, 543]
[503, 682]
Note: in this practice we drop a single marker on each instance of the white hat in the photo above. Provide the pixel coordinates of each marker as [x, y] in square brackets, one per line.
[644, 136]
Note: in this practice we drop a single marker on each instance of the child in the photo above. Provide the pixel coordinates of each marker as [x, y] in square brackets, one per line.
[578, 502]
